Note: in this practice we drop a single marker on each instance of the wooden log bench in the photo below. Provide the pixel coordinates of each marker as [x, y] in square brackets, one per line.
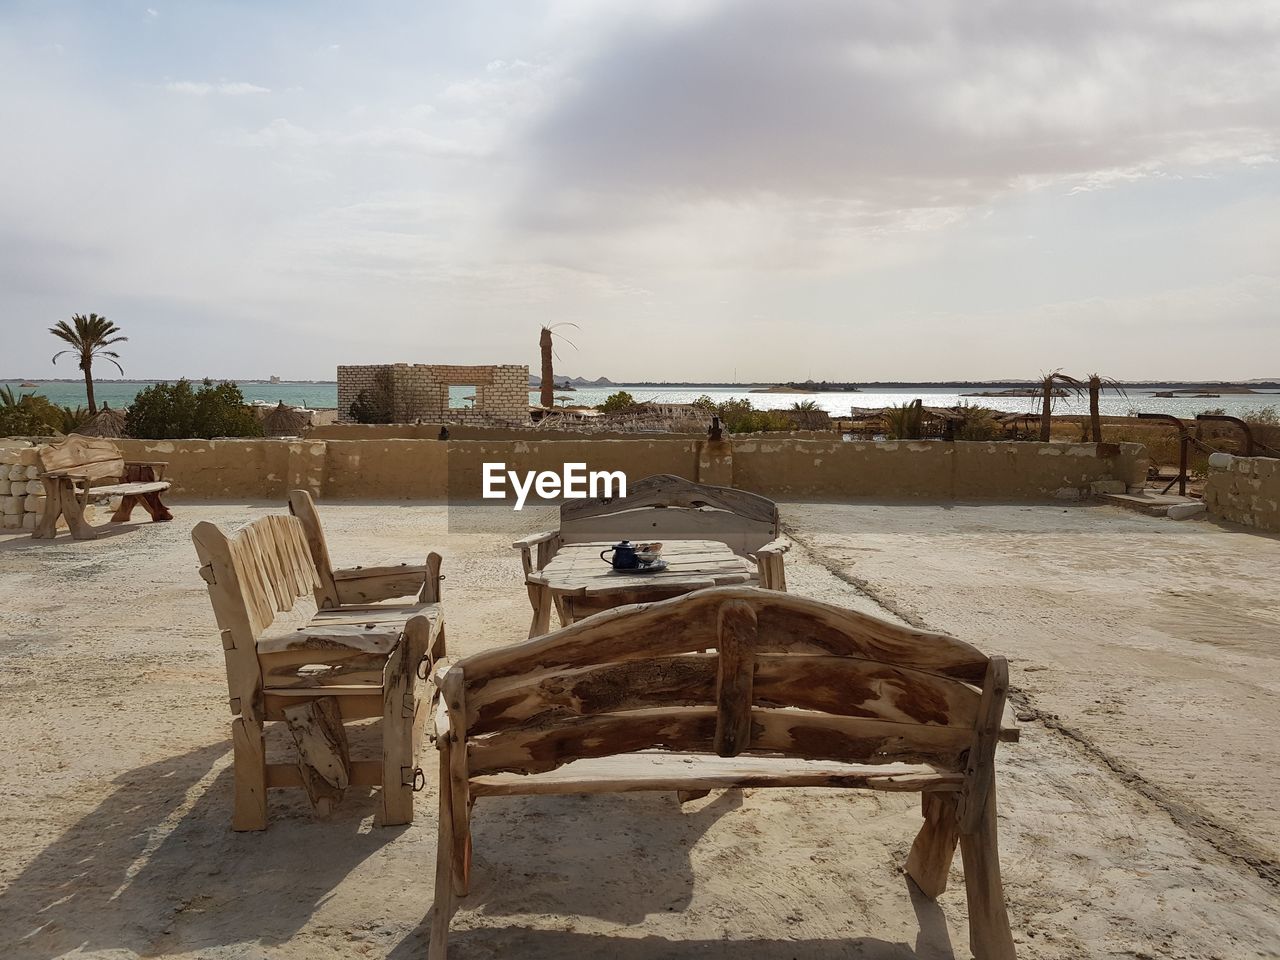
[346, 662]
[79, 469]
[794, 693]
[658, 508]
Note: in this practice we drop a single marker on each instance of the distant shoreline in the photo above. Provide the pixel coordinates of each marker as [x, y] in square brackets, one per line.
[1177, 386]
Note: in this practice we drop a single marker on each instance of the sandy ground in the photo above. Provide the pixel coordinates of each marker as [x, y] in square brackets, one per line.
[1138, 815]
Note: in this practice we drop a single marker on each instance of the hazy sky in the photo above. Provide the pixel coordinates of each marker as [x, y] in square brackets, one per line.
[871, 190]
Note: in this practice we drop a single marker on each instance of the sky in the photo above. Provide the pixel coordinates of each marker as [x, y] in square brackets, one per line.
[882, 190]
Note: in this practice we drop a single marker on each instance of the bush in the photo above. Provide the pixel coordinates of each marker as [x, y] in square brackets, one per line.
[979, 423]
[376, 405]
[27, 415]
[169, 411]
[619, 402]
[905, 422]
[738, 416]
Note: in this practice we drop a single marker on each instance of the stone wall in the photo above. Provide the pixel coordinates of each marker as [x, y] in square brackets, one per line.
[421, 390]
[426, 469]
[931, 469]
[1244, 490]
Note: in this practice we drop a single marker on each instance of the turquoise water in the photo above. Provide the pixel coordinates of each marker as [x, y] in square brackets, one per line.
[325, 396]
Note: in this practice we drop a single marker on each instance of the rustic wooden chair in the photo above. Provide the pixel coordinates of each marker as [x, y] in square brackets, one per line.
[347, 662]
[662, 507]
[796, 693]
[73, 471]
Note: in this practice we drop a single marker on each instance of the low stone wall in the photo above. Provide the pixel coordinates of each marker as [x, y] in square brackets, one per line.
[788, 468]
[932, 469]
[1246, 490]
[462, 431]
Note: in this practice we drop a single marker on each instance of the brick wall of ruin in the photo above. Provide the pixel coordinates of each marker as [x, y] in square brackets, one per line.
[1246, 491]
[421, 390]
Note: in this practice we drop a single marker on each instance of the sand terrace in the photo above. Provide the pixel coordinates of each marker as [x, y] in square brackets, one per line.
[1138, 815]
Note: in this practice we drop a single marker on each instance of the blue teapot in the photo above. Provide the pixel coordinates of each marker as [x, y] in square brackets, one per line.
[624, 556]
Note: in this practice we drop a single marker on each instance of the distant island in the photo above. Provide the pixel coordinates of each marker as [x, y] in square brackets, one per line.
[810, 386]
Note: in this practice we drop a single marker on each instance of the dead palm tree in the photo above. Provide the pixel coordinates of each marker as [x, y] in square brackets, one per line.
[1051, 385]
[547, 393]
[1096, 385]
[89, 337]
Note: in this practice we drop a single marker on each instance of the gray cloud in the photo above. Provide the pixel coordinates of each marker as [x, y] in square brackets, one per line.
[896, 106]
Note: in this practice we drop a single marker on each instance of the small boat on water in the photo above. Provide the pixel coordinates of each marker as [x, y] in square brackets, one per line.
[28, 383]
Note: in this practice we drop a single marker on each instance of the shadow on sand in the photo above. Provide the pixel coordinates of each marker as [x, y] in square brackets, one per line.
[619, 858]
[143, 872]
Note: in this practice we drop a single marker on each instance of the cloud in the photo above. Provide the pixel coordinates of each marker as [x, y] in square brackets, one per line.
[195, 89]
[889, 108]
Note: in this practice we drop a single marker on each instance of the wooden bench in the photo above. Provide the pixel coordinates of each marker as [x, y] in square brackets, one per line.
[662, 508]
[348, 661]
[797, 693]
[73, 471]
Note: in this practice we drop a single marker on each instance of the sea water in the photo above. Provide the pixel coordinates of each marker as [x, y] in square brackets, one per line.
[320, 395]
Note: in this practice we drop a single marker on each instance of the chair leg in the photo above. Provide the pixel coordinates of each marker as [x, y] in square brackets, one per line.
[540, 599]
[397, 752]
[47, 528]
[935, 844]
[73, 510]
[153, 505]
[444, 899]
[250, 769]
[989, 935]
[125, 510]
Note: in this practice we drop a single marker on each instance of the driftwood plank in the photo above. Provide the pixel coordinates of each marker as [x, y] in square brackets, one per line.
[796, 733]
[787, 623]
[737, 637]
[324, 760]
[699, 772]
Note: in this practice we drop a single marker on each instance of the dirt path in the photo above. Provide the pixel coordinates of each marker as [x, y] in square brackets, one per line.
[115, 796]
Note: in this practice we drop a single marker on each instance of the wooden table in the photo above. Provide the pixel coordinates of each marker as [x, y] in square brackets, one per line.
[579, 583]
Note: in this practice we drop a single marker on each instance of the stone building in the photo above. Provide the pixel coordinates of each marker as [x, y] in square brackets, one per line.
[420, 391]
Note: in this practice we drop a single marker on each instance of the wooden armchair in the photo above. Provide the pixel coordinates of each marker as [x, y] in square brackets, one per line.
[663, 507]
[346, 662]
[797, 693]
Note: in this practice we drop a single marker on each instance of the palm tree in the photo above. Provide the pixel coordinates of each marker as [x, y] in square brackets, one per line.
[89, 337]
[547, 394]
[1052, 384]
[1096, 385]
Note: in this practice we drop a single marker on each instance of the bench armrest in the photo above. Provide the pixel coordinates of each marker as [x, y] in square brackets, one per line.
[769, 565]
[547, 544]
[375, 584]
[780, 545]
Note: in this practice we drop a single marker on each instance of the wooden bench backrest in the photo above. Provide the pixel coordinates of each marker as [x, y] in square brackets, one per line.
[788, 676]
[664, 507]
[261, 569]
[90, 457]
[303, 507]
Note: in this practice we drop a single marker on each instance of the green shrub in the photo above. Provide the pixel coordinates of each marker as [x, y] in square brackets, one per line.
[905, 422]
[738, 416]
[979, 423]
[169, 411]
[27, 414]
[619, 402]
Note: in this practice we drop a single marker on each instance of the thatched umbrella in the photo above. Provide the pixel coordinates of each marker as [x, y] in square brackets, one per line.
[105, 423]
[283, 422]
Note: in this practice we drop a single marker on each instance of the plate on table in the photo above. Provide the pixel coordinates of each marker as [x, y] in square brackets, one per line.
[653, 567]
